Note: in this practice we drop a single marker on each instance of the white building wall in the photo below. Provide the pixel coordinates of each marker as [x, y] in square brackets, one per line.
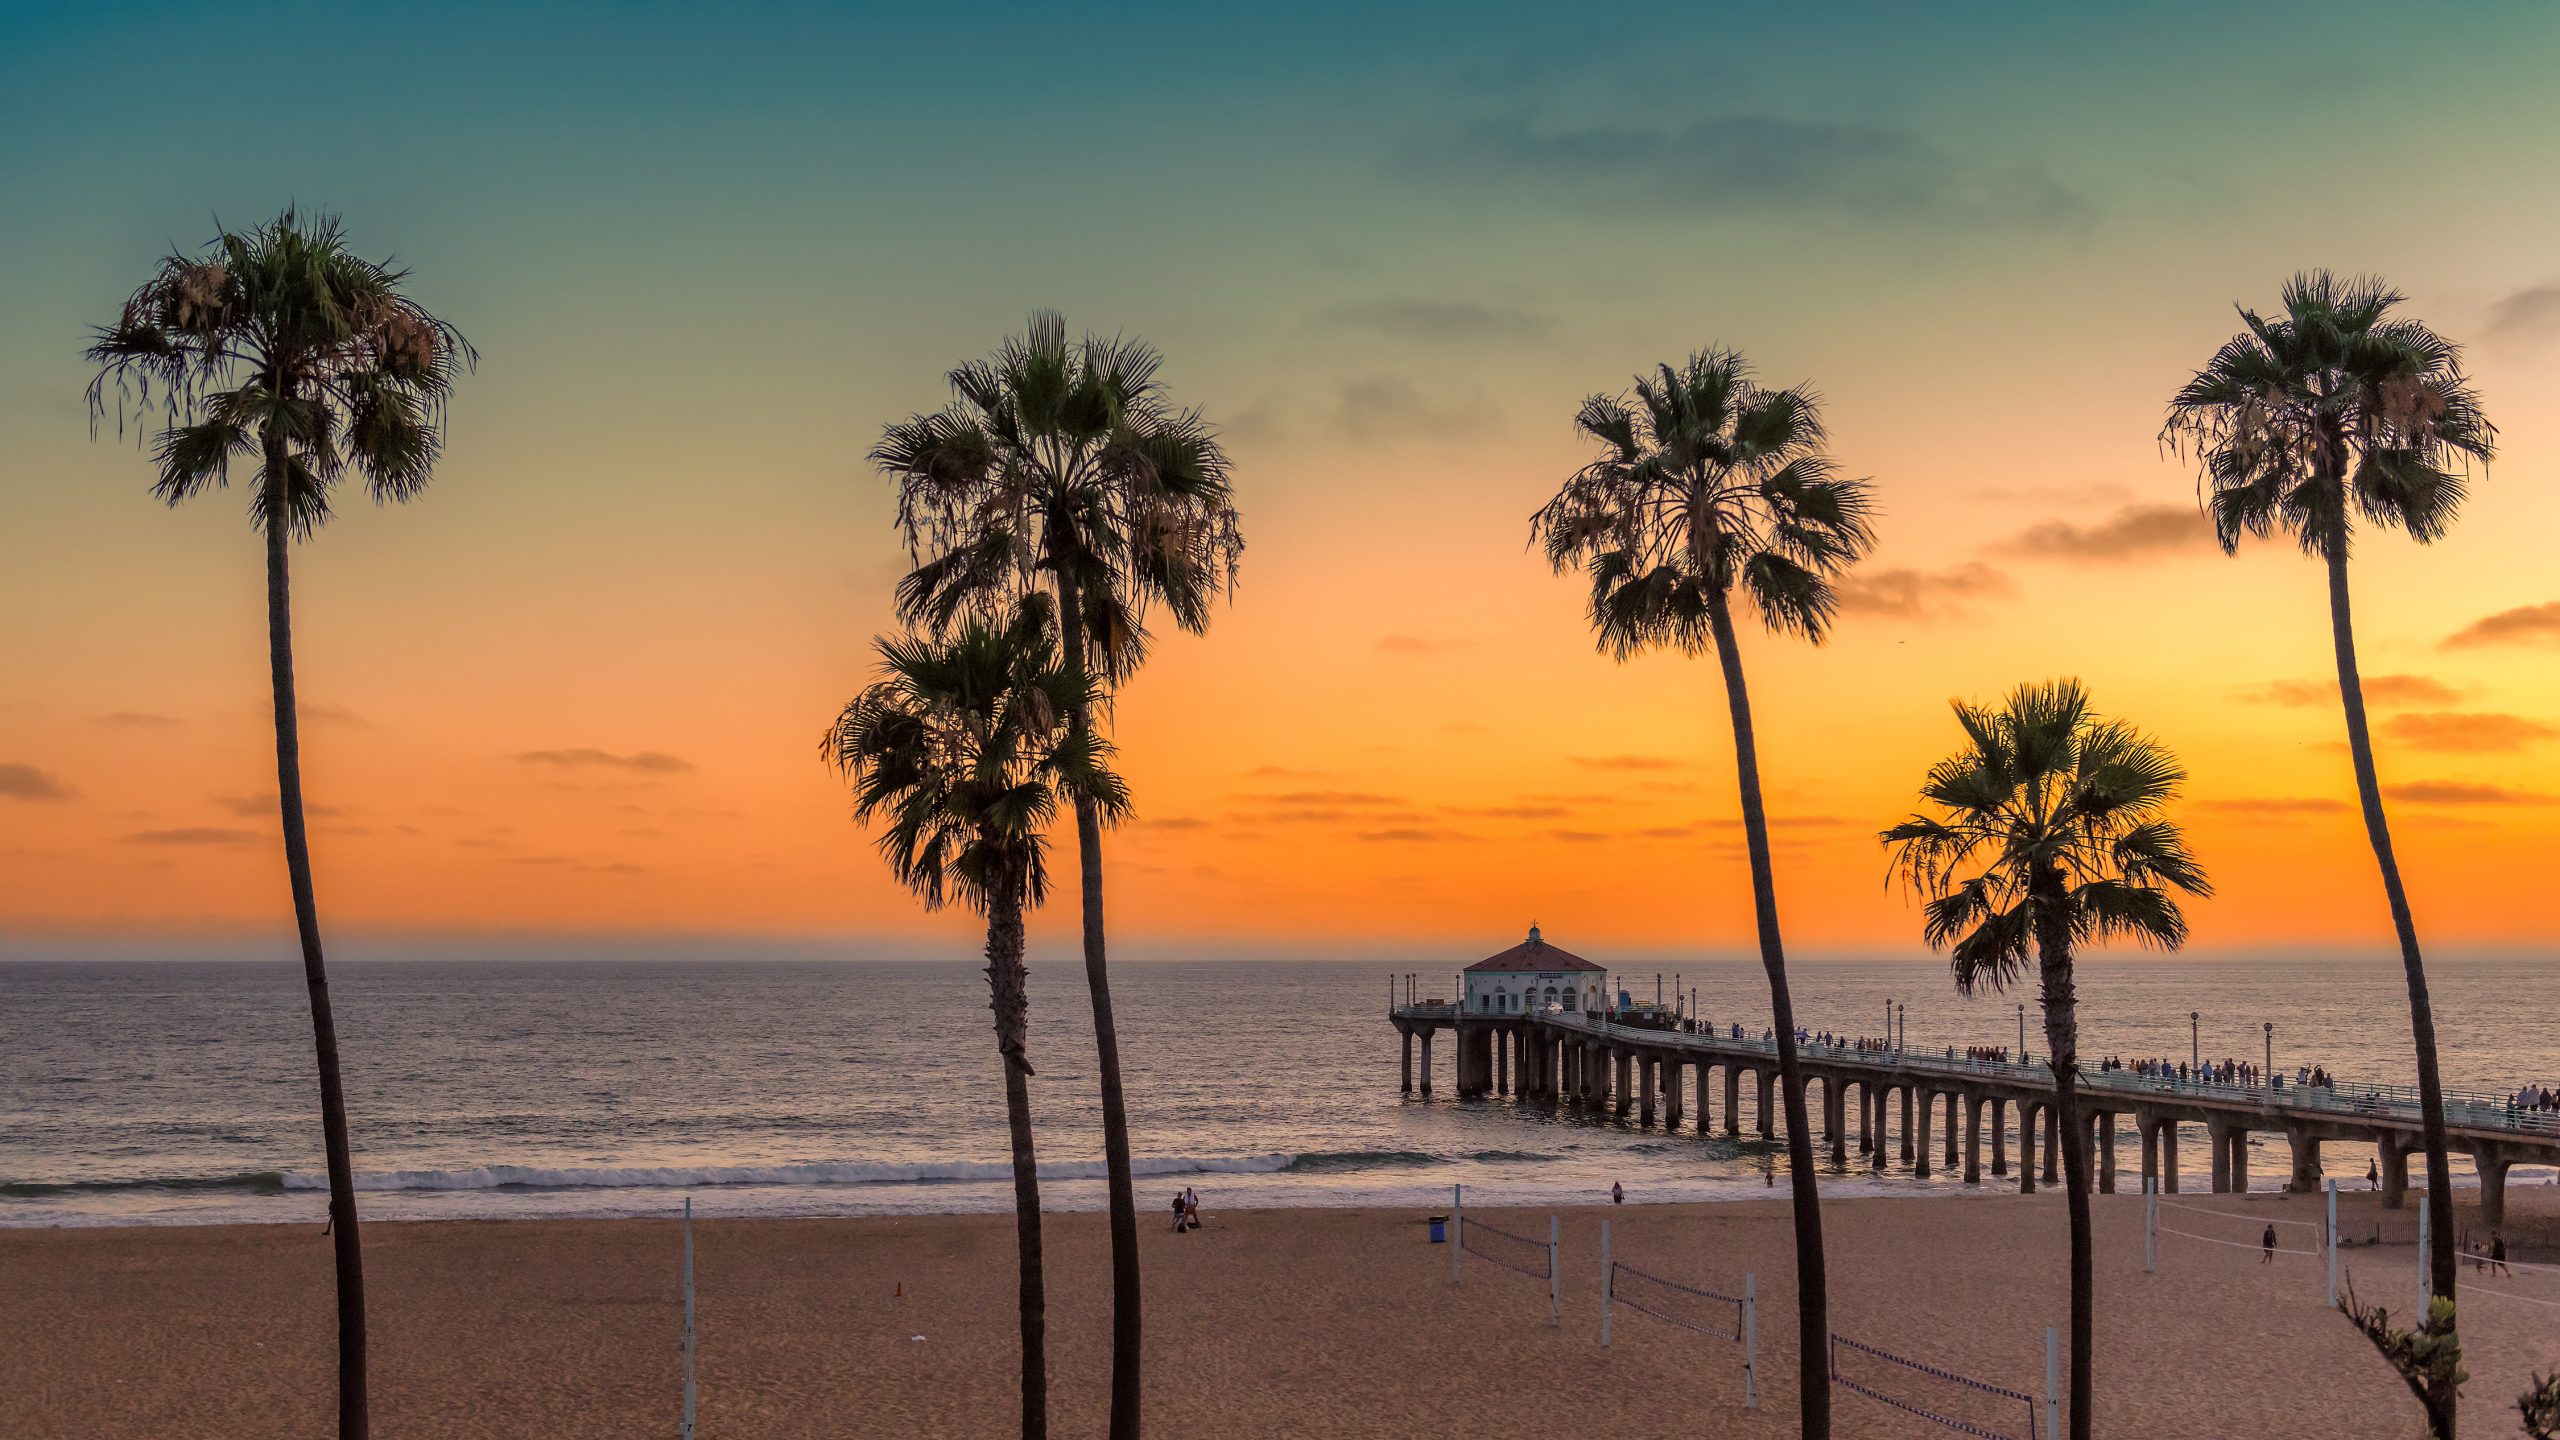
[1516, 992]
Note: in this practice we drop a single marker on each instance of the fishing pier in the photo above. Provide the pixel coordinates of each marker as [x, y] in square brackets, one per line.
[1649, 1067]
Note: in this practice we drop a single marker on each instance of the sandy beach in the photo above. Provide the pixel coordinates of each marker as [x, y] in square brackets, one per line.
[1267, 1323]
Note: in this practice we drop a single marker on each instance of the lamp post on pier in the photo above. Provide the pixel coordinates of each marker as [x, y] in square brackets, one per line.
[2195, 1052]
[1901, 1024]
[2022, 1032]
[2270, 1076]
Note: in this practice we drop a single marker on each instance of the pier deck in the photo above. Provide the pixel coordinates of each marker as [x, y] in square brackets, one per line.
[1595, 1063]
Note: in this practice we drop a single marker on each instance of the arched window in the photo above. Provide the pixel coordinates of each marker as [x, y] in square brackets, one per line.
[1551, 994]
[1502, 1000]
[1568, 999]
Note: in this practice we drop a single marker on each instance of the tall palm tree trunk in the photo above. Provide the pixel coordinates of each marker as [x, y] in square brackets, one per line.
[2061, 1001]
[1813, 1302]
[2377, 829]
[353, 1410]
[1008, 984]
[1128, 1306]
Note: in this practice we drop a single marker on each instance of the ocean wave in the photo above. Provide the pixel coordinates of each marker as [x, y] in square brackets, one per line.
[839, 1172]
[253, 1182]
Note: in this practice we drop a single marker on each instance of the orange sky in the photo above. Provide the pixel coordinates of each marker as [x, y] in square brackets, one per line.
[578, 686]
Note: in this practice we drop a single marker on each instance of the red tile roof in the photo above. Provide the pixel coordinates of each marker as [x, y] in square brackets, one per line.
[1535, 953]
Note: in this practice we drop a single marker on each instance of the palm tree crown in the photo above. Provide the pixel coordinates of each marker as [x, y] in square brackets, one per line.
[961, 753]
[2332, 411]
[1707, 479]
[1065, 458]
[2047, 806]
[280, 343]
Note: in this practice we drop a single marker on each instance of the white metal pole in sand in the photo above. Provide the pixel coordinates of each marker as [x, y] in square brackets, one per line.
[1607, 1293]
[2333, 1244]
[1457, 1228]
[1750, 1339]
[2150, 1224]
[1555, 1274]
[2052, 1383]
[687, 1433]
[2423, 1279]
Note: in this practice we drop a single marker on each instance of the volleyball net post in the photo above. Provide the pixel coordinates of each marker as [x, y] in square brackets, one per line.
[1555, 1272]
[1750, 1339]
[2332, 1187]
[2052, 1383]
[1457, 1228]
[1608, 1290]
[687, 1432]
[2150, 1223]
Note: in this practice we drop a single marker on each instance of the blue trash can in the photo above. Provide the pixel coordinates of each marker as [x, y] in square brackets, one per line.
[1439, 1229]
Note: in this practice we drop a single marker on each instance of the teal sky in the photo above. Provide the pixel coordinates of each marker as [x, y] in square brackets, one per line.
[706, 253]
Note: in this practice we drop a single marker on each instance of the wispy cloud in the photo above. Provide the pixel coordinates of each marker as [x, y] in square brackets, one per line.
[1336, 797]
[259, 807]
[2137, 532]
[321, 712]
[1415, 835]
[192, 835]
[2465, 733]
[26, 782]
[1740, 163]
[1421, 645]
[642, 762]
[1630, 762]
[1509, 812]
[1443, 321]
[2378, 690]
[2524, 625]
[2529, 314]
[2457, 792]
[2274, 806]
[1390, 408]
[1923, 594]
[135, 720]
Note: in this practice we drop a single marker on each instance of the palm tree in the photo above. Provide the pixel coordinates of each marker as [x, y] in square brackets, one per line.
[962, 751]
[1063, 467]
[2334, 412]
[1707, 482]
[2050, 829]
[280, 347]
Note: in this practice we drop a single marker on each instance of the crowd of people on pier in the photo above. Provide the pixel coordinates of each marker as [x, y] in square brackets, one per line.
[1984, 1054]
[2545, 1098]
[2222, 1072]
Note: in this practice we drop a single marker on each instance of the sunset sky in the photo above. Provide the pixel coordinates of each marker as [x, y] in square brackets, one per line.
[576, 688]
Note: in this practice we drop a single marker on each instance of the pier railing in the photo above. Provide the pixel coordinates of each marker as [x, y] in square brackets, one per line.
[2355, 1100]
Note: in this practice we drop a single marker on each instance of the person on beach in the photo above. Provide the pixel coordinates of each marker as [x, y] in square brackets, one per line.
[1181, 1213]
[1617, 1193]
[1191, 1205]
[2373, 1174]
[2267, 1246]
[2498, 1255]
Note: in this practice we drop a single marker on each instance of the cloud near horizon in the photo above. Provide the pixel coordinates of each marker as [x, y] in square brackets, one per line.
[1906, 594]
[193, 835]
[2458, 792]
[1629, 762]
[26, 782]
[1731, 163]
[2378, 690]
[1391, 408]
[2524, 625]
[2465, 733]
[644, 762]
[2137, 532]
[2274, 805]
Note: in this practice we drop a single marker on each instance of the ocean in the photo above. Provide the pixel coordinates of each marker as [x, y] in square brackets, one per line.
[181, 1092]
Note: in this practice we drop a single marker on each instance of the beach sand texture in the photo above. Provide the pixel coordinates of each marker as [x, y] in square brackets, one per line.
[1268, 1323]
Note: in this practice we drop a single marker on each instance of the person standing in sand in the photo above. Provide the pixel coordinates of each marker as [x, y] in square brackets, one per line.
[2373, 1174]
[1617, 1193]
[2267, 1245]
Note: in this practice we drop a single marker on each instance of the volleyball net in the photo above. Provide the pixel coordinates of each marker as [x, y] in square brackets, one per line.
[1516, 1253]
[2235, 1230]
[1958, 1402]
[1690, 1307]
[2513, 1281]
